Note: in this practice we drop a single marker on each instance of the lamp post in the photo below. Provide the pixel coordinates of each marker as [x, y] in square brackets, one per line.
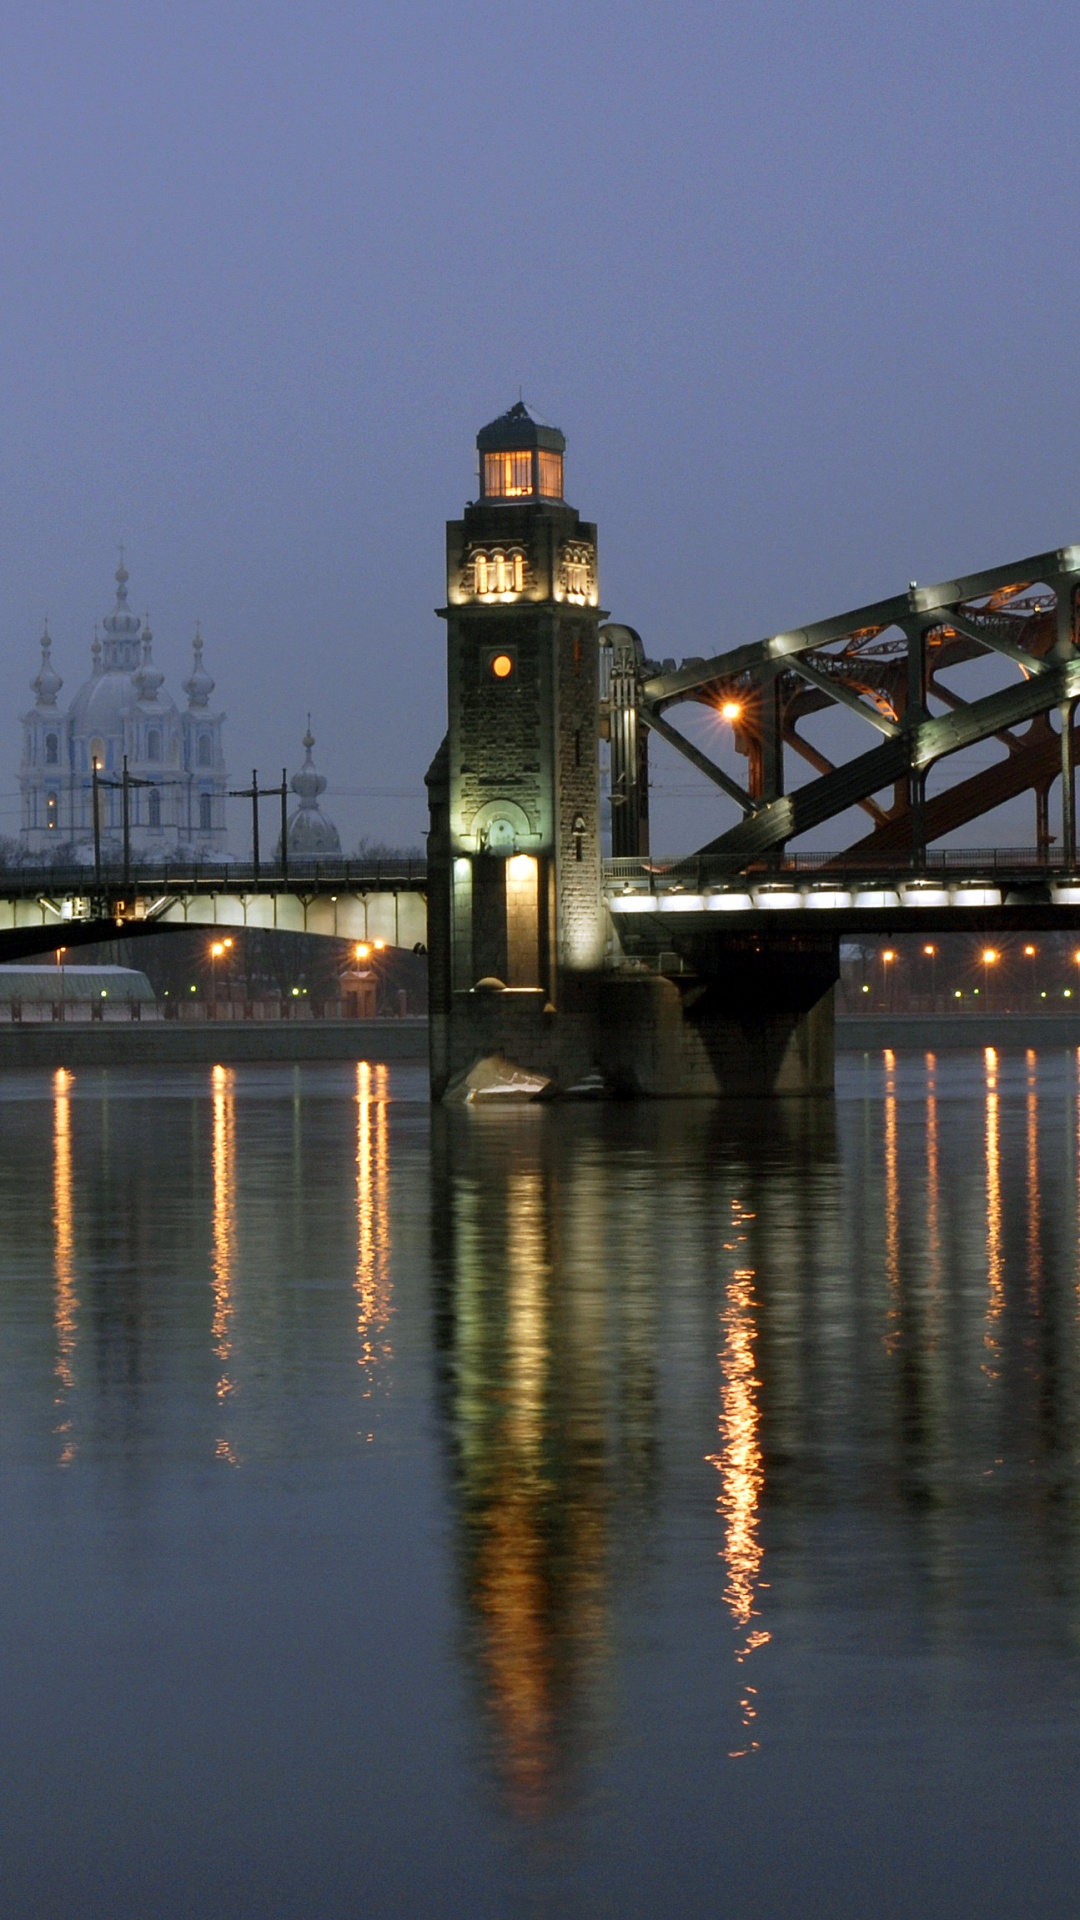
[931, 954]
[887, 960]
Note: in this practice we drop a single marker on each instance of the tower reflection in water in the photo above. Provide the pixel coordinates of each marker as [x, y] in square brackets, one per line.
[582, 1256]
[547, 1393]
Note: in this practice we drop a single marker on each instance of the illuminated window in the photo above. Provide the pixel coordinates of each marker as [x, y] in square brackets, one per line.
[502, 666]
[519, 572]
[481, 573]
[550, 475]
[52, 750]
[508, 476]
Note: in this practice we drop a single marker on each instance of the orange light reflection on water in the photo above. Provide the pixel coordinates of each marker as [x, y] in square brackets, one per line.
[995, 1265]
[223, 1235]
[740, 1464]
[372, 1285]
[65, 1302]
[892, 1204]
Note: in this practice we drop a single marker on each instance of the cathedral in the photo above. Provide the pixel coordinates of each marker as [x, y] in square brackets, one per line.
[123, 718]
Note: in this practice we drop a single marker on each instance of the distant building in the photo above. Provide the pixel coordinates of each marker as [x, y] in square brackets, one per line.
[311, 835]
[124, 712]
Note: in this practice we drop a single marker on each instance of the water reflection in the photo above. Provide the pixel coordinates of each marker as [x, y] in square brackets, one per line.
[373, 1287]
[743, 1418]
[532, 1425]
[740, 1465]
[66, 1305]
[995, 1282]
[570, 1249]
[223, 1241]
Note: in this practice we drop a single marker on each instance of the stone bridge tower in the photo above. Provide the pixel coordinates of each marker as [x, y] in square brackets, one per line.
[517, 920]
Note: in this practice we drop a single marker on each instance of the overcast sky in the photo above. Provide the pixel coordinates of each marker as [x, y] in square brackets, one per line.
[799, 283]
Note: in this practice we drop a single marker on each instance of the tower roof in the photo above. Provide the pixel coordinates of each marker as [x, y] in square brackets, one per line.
[516, 429]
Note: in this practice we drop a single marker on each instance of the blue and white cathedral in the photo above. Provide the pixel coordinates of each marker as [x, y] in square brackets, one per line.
[178, 809]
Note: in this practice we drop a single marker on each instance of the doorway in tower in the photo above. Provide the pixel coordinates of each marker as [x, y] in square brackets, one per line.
[506, 919]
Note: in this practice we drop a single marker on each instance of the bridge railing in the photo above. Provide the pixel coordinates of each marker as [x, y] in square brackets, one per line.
[702, 870]
[234, 876]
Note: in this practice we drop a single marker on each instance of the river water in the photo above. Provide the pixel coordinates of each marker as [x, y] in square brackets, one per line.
[616, 1511]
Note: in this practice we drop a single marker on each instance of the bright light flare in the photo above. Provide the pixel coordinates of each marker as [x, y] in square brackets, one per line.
[929, 952]
[990, 955]
[363, 951]
[1030, 951]
[888, 955]
[731, 710]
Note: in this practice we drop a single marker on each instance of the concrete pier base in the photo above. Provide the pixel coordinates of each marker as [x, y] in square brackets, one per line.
[628, 1035]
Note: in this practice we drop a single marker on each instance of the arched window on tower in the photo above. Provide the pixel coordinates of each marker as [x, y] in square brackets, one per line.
[205, 755]
[154, 807]
[153, 744]
[206, 812]
[52, 750]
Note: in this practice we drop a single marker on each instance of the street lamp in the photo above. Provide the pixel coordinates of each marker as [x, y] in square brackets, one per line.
[990, 958]
[1030, 954]
[887, 959]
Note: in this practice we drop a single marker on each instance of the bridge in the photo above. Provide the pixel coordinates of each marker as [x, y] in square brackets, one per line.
[710, 971]
[42, 909]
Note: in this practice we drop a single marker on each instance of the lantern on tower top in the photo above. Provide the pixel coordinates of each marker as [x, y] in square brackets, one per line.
[520, 458]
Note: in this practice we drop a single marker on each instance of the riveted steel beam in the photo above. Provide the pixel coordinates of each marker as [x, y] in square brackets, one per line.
[1060, 564]
[914, 751]
[700, 760]
[844, 696]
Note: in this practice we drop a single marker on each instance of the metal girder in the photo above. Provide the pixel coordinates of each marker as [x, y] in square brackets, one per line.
[845, 697]
[1062, 563]
[700, 760]
[1019, 657]
[912, 752]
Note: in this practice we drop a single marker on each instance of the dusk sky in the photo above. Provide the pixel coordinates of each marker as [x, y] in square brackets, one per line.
[799, 283]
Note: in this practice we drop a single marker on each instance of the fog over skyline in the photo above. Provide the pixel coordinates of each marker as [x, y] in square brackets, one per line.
[798, 283]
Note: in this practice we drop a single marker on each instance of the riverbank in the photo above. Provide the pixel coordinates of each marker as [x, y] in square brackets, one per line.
[856, 1033]
[191, 1043]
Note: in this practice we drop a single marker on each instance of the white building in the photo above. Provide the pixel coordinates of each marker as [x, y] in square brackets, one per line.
[124, 714]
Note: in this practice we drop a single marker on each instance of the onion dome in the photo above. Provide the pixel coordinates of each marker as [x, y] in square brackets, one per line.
[121, 630]
[48, 683]
[200, 685]
[148, 678]
[311, 834]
